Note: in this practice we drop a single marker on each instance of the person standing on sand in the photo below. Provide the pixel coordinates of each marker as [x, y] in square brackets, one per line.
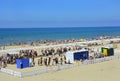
[45, 61]
[41, 61]
[38, 61]
[49, 59]
[53, 61]
[56, 60]
[33, 62]
[61, 60]
[65, 59]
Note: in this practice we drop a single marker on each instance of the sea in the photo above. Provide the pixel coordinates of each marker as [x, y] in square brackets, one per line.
[16, 35]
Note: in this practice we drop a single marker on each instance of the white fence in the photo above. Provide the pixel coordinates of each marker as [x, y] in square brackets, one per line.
[11, 72]
[66, 66]
[57, 68]
[99, 60]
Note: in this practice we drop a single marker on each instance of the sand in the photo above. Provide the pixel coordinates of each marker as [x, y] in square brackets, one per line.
[105, 71]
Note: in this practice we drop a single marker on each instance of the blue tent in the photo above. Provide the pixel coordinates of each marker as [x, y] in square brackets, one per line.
[23, 63]
[81, 55]
[77, 55]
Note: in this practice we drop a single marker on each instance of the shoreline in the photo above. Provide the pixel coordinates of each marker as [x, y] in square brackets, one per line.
[47, 42]
[82, 43]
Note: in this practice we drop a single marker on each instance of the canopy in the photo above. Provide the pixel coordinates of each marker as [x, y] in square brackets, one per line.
[11, 52]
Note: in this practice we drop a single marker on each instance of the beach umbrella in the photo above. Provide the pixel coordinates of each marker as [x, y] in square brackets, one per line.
[81, 40]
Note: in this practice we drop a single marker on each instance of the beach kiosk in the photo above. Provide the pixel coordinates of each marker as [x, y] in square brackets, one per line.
[107, 51]
[76, 55]
[22, 63]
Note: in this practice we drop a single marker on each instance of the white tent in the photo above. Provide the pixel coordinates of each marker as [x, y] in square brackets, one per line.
[11, 52]
[70, 55]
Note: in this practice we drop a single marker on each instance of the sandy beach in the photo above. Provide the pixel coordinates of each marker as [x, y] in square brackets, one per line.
[105, 71]
[59, 40]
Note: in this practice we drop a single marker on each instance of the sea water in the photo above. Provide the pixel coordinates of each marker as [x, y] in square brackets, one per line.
[10, 35]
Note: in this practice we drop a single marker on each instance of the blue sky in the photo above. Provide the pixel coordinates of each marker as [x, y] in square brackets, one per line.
[59, 13]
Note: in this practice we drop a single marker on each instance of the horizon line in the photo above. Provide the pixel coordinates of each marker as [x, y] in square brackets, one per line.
[62, 27]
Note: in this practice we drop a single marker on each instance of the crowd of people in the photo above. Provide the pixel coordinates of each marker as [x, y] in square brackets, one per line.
[52, 60]
[11, 58]
[47, 56]
[60, 50]
[55, 42]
